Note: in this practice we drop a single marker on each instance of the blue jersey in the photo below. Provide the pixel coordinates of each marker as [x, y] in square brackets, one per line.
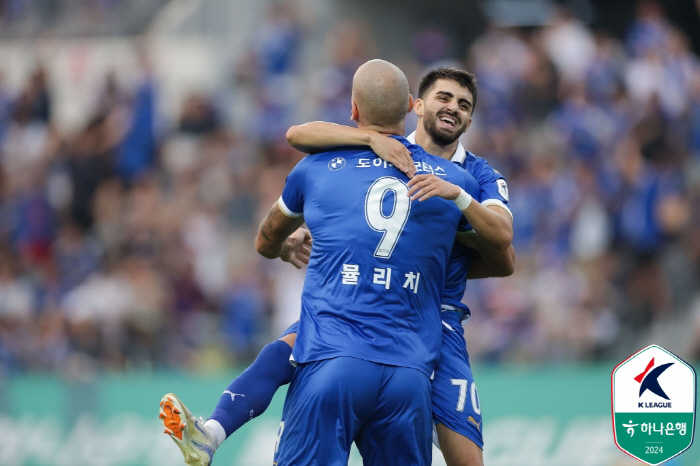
[377, 269]
[493, 191]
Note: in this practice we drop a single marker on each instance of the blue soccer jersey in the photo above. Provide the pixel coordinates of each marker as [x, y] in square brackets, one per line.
[376, 273]
[493, 191]
[455, 402]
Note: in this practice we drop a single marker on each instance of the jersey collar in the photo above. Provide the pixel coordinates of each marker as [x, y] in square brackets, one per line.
[459, 155]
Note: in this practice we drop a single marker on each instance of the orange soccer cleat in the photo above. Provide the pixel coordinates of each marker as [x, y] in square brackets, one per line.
[187, 431]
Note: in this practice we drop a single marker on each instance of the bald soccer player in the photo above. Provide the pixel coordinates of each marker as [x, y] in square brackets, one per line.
[367, 344]
[370, 326]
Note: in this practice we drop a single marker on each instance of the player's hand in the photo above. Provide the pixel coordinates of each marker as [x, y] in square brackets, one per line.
[425, 186]
[296, 249]
[394, 152]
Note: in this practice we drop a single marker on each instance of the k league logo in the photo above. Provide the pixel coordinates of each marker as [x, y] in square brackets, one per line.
[651, 381]
[336, 164]
[502, 188]
[653, 401]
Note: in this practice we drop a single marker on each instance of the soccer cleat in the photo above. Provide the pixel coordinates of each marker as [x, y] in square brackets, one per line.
[186, 431]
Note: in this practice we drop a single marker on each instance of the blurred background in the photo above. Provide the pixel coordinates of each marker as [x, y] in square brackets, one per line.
[141, 142]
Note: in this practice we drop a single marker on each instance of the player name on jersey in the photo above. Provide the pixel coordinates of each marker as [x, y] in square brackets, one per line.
[351, 276]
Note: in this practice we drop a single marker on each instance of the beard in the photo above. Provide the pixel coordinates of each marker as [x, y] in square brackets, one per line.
[441, 136]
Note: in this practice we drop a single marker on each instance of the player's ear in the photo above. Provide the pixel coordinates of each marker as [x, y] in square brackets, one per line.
[411, 102]
[469, 123]
[418, 107]
[354, 113]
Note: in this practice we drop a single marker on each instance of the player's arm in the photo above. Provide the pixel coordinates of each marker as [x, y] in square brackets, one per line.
[273, 239]
[297, 248]
[492, 223]
[320, 135]
[488, 261]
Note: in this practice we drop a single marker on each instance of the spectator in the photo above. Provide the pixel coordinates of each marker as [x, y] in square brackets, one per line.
[124, 245]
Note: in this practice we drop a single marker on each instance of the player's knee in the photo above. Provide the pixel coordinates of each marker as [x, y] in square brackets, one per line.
[289, 339]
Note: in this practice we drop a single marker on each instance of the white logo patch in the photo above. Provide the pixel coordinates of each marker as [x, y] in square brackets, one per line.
[502, 188]
[336, 164]
[234, 395]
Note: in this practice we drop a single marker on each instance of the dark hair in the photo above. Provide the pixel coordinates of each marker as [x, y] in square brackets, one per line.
[461, 77]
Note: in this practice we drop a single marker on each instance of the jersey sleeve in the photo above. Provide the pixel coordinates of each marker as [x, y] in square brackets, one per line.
[291, 202]
[493, 186]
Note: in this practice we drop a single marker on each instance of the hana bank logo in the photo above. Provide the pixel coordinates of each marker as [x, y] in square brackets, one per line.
[653, 401]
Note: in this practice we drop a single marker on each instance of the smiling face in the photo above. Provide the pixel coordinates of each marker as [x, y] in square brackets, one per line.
[445, 111]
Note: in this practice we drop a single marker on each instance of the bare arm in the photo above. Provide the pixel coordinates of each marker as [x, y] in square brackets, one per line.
[492, 223]
[320, 135]
[489, 261]
[271, 240]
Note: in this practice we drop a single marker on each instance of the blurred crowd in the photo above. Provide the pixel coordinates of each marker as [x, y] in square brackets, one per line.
[30, 18]
[598, 138]
[129, 244]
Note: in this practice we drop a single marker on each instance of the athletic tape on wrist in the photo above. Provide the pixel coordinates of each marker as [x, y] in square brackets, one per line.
[463, 200]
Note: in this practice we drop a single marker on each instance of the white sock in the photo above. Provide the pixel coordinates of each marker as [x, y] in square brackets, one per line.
[216, 432]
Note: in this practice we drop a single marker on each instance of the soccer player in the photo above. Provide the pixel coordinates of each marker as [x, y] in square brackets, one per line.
[459, 425]
[355, 380]
[445, 104]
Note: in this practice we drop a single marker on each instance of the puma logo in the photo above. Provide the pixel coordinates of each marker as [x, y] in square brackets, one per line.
[234, 395]
[473, 421]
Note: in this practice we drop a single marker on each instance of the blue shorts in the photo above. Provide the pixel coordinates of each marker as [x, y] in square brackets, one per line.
[454, 397]
[331, 403]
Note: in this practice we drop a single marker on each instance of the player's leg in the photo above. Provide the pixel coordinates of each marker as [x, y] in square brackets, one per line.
[246, 397]
[326, 404]
[400, 429]
[249, 394]
[457, 449]
[456, 408]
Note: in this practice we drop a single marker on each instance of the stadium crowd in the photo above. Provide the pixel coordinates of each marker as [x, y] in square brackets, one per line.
[129, 244]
